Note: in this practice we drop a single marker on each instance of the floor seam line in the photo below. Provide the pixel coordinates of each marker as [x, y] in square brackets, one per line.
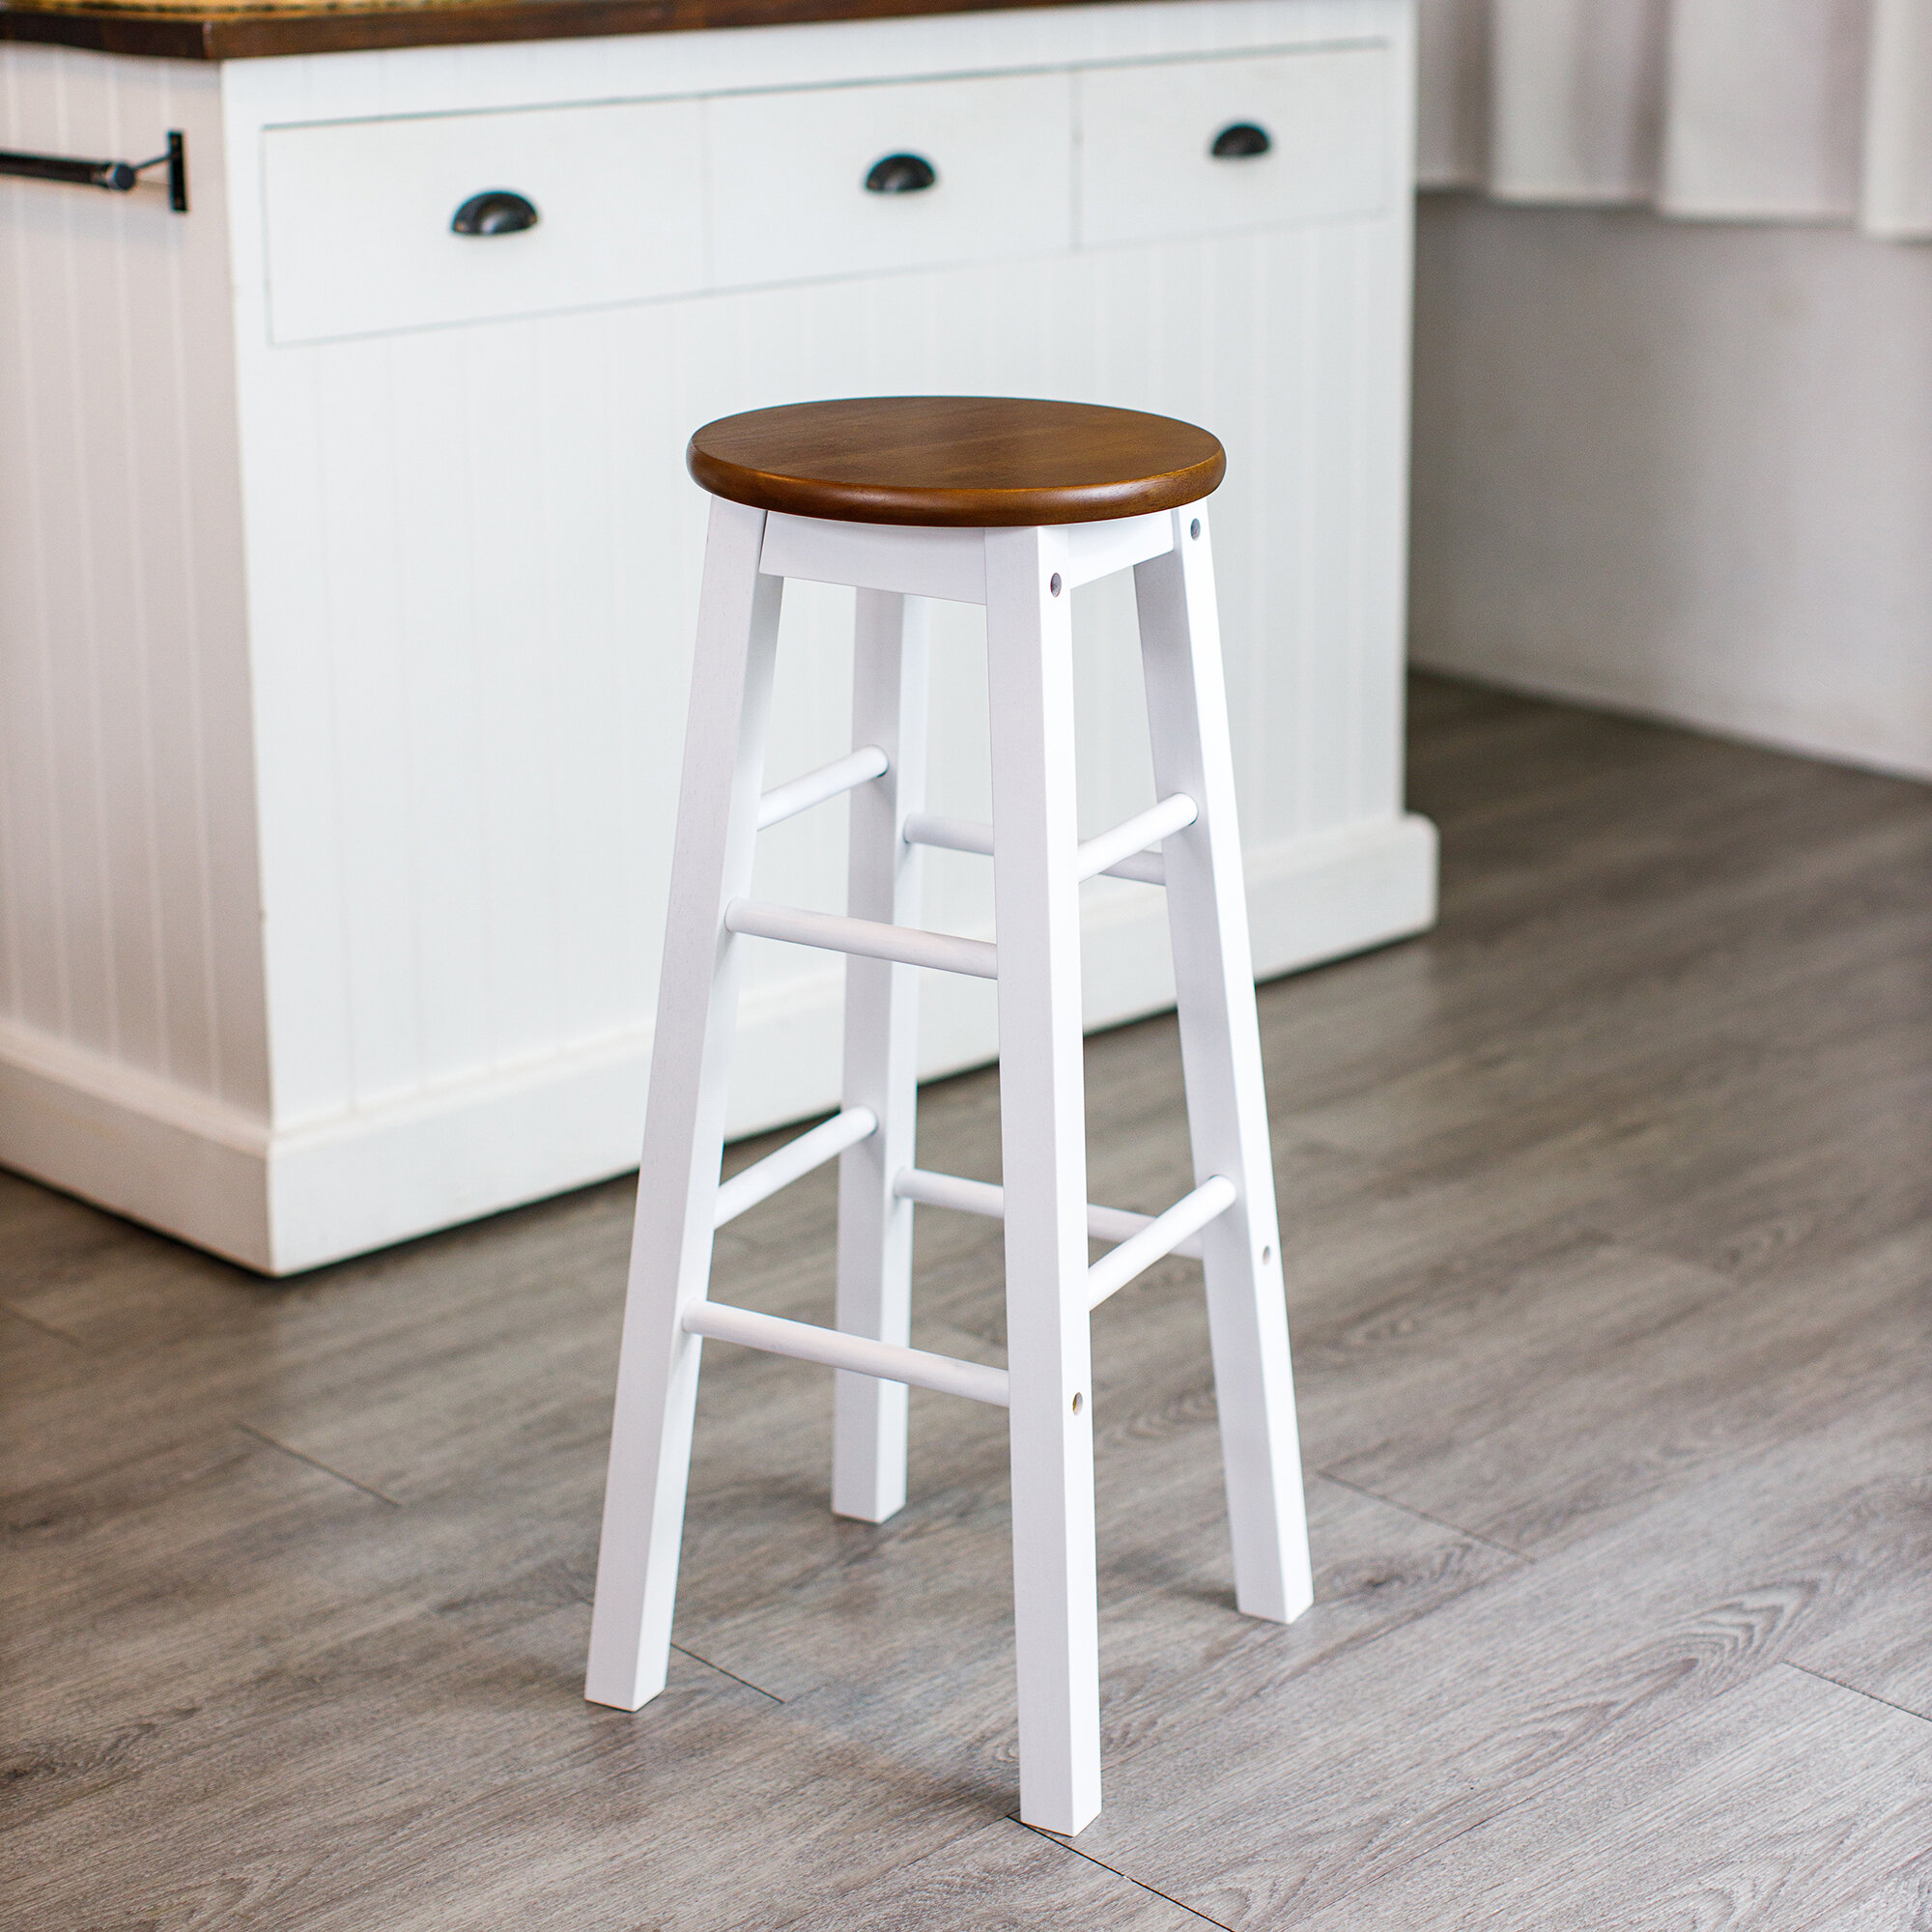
[1053, 1839]
[1423, 1515]
[731, 1674]
[959, 1837]
[1903, 1710]
[261, 1435]
[47, 1328]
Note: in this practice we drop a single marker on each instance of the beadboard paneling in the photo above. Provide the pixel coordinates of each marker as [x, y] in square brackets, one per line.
[491, 587]
[127, 864]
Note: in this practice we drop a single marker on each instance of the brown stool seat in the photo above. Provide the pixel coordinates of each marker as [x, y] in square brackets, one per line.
[960, 462]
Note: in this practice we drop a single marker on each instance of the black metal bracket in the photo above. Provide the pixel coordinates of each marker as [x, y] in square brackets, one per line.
[117, 177]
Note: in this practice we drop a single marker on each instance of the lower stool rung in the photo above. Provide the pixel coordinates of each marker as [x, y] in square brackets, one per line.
[972, 834]
[1163, 1235]
[1127, 842]
[805, 1341]
[792, 1162]
[833, 932]
[800, 794]
[983, 1197]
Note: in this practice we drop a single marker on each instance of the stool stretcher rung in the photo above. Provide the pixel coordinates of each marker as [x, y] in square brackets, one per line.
[800, 794]
[1131, 838]
[981, 1197]
[832, 932]
[791, 1162]
[805, 1341]
[950, 835]
[1161, 1237]
[969, 835]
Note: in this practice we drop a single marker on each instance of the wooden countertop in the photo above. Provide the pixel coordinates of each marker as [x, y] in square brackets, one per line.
[243, 33]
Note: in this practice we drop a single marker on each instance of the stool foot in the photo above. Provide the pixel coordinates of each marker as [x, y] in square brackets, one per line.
[1221, 1057]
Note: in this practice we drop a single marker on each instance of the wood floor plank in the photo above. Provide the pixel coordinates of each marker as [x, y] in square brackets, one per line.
[1611, 1379]
[1262, 1812]
[1762, 1808]
[140, 1604]
[1003, 1879]
[419, 1779]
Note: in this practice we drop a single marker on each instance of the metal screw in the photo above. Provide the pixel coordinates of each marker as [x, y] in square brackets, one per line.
[1194, 528]
[1054, 586]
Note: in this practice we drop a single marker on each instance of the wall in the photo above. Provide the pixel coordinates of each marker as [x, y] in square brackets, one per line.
[1679, 469]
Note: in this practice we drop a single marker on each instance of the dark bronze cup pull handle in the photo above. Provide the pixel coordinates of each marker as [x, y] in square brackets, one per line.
[496, 210]
[901, 174]
[1239, 142]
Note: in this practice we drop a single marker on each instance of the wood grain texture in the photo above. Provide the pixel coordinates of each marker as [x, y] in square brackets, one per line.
[955, 461]
[1608, 1242]
[254, 33]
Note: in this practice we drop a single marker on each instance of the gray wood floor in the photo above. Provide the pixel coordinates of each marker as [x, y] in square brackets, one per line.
[1609, 1215]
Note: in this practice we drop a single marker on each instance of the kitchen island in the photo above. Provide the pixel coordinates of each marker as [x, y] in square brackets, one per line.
[348, 565]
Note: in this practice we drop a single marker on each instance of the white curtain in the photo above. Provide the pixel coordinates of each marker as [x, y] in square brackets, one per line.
[1736, 110]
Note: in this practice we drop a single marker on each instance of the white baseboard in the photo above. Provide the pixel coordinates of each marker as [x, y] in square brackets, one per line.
[280, 1202]
[1748, 716]
[150, 1150]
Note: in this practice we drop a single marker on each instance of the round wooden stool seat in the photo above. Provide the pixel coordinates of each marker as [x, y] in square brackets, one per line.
[957, 461]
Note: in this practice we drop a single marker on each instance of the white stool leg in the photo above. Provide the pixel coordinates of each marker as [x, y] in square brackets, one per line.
[1043, 1150]
[1221, 1054]
[889, 709]
[684, 1121]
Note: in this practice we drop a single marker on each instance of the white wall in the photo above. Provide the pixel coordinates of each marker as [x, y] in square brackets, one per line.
[1678, 467]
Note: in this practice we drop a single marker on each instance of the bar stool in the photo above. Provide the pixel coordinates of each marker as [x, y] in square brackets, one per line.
[1012, 505]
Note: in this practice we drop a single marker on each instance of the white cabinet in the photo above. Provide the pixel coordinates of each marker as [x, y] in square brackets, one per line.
[787, 173]
[349, 567]
[635, 201]
[1148, 169]
[639, 200]
[358, 216]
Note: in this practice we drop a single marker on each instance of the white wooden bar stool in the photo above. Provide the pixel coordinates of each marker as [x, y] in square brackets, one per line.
[1009, 504]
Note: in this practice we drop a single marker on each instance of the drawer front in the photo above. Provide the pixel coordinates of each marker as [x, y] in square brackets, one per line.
[358, 216]
[788, 170]
[1146, 169]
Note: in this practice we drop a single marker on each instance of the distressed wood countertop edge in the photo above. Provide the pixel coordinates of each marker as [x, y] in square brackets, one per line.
[237, 34]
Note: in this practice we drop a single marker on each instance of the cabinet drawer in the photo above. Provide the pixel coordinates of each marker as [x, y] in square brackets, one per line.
[1146, 166]
[789, 171]
[358, 216]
